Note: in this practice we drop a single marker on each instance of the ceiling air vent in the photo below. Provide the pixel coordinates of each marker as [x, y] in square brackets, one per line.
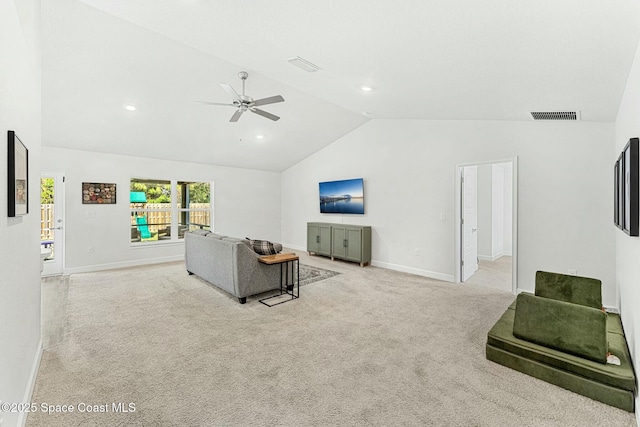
[303, 64]
[555, 115]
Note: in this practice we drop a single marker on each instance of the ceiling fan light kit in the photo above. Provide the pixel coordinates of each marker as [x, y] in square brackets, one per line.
[245, 103]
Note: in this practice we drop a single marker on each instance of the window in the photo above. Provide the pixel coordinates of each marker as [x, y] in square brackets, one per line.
[163, 210]
[194, 205]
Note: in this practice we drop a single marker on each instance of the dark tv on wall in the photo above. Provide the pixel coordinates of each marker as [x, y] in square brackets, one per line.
[344, 197]
[627, 186]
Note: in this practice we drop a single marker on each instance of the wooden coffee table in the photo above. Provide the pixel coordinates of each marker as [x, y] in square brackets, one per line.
[285, 261]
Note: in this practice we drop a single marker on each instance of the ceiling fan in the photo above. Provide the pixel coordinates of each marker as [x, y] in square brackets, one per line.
[246, 103]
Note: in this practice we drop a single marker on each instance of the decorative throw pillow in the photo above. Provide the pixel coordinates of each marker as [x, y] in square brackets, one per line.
[262, 247]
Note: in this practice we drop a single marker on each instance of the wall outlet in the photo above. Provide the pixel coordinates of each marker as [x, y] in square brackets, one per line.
[90, 249]
[573, 272]
[443, 216]
[90, 214]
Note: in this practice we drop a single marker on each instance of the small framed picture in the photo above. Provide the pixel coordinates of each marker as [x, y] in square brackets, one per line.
[94, 193]
[18, 168]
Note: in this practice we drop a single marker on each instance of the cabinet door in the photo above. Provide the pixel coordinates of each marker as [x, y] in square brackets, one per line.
[313, 238]
[324, 247]
[354, 244]
[338, 242]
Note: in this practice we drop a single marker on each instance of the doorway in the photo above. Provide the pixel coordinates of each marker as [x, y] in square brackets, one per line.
[52, 222]
[486, 224]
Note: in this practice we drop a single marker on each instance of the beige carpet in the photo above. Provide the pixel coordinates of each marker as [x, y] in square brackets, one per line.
[493, 274]
[366, 347]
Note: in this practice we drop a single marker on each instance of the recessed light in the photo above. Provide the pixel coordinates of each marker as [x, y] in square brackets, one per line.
[259, 136]
[130, 108]
[366, 88]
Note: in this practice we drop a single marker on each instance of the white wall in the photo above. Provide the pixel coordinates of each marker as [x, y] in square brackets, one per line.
[408, 168]
[485, 212]
[497, 210]
[494, 211]
[246, 204]
[20, 344]
[507, 216]
[628, 248]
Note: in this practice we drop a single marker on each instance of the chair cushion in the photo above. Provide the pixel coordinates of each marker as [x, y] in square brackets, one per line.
[567, 327]
[501, 337]
[574, 289]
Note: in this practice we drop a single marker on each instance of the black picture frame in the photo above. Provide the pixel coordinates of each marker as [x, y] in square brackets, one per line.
[18, 176]
[616, 194]
[631, 184]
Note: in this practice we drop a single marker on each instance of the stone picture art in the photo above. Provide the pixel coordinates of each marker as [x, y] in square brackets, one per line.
[98, 193]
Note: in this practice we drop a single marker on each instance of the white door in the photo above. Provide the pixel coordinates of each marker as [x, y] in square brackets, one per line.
[469, 224]
[52, 222]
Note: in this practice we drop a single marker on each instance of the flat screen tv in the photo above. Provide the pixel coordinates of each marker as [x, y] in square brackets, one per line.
[345, 197]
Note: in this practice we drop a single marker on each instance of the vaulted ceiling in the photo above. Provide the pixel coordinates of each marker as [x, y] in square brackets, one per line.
[461, 59]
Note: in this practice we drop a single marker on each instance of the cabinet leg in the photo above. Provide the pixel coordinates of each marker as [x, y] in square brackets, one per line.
[362, 264]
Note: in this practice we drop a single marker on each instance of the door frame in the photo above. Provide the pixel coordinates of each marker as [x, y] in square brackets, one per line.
[60, 207]
[458, 218]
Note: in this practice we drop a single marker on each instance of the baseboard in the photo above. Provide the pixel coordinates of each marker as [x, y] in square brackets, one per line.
[123, 264]
[396, 267]
[612, 310]
[494, 257]
[416, 271]
[296, 247]
[33, 375]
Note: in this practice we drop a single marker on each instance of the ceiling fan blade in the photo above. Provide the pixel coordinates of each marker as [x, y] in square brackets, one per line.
[265, 114]
[269, 100]
[231, 91]
[214, 103]
[236, 116]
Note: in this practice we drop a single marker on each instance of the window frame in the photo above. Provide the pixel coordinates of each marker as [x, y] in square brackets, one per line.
[173, 209]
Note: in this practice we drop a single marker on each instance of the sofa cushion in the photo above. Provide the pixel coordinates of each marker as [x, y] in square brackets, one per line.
[573, 289]
[263, 247]
[201, 232]
[501, 337]
[215, 236]
[236, 240]
[567, 327]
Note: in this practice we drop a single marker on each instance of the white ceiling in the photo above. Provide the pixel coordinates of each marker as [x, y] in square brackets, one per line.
[460, 59]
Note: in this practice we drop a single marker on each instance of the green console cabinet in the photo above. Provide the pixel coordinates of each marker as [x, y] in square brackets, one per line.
[347, 242]
[319, 238]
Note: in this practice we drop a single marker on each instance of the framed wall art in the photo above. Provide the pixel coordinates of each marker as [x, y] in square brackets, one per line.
[18, 176]
[631, 181]
[94, 193]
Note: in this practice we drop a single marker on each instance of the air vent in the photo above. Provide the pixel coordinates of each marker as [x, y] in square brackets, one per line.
[555, 115]
[304, 64]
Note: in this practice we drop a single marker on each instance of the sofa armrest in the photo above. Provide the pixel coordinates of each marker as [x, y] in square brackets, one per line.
[571, 328]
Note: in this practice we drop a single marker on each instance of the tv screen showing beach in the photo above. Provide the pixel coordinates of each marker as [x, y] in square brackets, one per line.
[346, 197]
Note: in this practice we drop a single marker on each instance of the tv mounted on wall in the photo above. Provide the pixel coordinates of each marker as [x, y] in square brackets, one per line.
[345, 197]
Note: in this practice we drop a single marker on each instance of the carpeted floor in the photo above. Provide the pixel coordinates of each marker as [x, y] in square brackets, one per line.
[494, 274]
[367, 347]
[310, 274]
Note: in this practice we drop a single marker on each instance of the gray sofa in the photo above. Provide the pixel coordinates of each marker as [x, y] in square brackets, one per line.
[230, 264]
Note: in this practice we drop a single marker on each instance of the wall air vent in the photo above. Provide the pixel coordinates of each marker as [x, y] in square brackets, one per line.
[555, 115]
[304, 64]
